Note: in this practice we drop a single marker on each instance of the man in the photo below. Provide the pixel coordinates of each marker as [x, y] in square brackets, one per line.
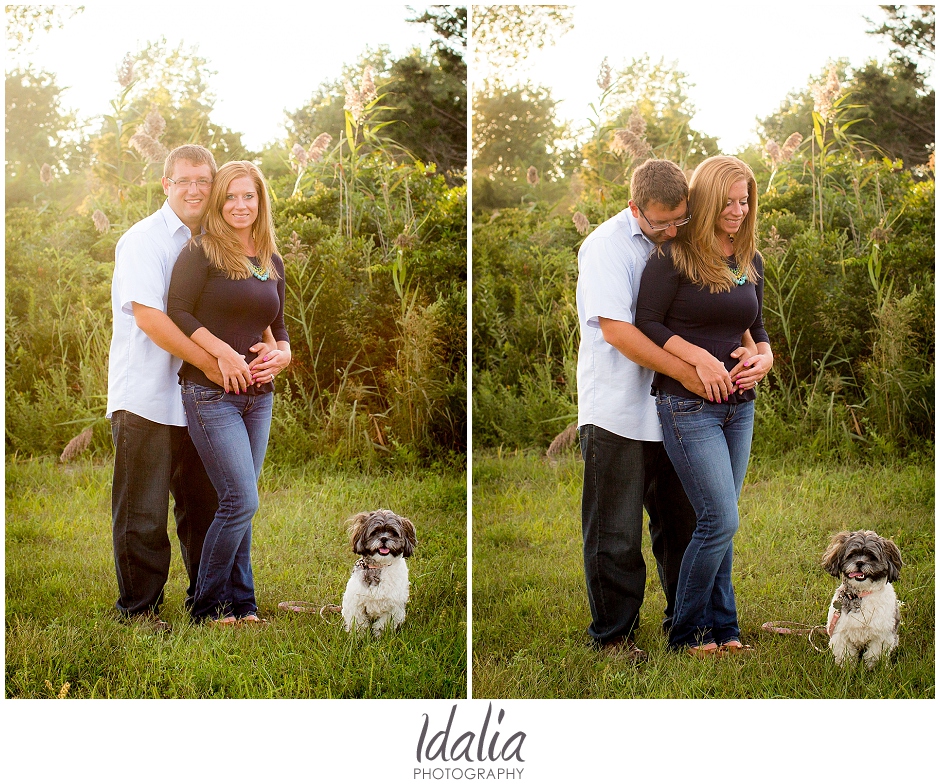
[153, 454]
[625, 464]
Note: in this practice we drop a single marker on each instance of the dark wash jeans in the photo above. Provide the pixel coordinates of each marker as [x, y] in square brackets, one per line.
[622, 475]
[151, 462]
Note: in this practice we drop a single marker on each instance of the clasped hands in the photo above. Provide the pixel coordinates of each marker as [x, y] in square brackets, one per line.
[238, 375]
[720, 383]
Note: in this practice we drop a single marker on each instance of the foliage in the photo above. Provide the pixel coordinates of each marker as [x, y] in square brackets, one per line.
[24, 21]
[374, 246]
[425, 100]
[911, 28]
[503, 34]
[848, 240]
[525, 327]
[36, 130]
[891, 104]
[516, 128]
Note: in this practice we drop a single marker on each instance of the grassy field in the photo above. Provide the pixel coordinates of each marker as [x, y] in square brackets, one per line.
[60, 591]
[530, 608]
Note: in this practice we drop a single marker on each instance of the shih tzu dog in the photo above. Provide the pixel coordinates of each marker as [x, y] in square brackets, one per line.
[377, 591]
[864, 616]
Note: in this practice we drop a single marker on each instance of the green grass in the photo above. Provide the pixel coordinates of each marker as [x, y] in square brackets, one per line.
[530, 608]
[60, 592]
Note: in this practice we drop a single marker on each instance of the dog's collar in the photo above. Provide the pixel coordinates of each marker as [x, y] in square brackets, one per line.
[368, 563]
[848, 600]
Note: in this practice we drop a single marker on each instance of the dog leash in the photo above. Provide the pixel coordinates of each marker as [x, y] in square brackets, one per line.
[790, 627]
[310, 607]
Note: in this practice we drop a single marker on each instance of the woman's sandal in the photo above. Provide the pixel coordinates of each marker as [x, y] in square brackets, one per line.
[732, 649]
[706, 651]
[227, 620]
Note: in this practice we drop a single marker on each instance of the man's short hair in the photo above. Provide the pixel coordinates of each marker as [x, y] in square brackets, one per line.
[659, 181]
[195, 154]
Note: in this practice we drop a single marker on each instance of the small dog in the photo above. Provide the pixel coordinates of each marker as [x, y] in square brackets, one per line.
[864, 615]
[377, 591]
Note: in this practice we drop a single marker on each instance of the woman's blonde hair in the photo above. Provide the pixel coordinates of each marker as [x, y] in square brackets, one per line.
[697, 251]
[220, 242]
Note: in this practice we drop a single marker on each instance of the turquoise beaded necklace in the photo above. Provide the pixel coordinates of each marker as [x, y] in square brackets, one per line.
[259, 272]
[739, 277]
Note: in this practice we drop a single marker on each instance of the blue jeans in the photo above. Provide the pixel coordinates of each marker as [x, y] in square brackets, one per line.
[622, 475]
[152, 461]
[709, 445]
[231, 435]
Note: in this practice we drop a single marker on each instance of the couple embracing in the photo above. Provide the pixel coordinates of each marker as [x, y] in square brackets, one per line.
[198, 318]
[669, 299]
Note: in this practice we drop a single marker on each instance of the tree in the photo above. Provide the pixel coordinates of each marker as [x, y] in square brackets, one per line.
[23, 21]
[503, 34]
[895, 109]
[515, 130]
[450, 25]
[911, 30]
[35, 127]
[426, 107]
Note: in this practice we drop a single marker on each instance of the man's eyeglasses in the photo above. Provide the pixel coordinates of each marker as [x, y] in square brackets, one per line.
[665, 226]
[202, 183]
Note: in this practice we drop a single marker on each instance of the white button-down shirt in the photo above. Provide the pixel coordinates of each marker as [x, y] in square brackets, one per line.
[142, 376]
[613, 391]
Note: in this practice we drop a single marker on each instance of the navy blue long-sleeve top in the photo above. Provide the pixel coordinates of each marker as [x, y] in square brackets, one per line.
[236, 311]
[670, 304]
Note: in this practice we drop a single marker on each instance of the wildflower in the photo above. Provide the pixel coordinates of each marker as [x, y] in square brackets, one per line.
[154, 125]
[636, 124]
[77, 445]
[64, 691]
[825, 95]
[532, 176]
[368, 92]
[45, 174]
[148, 147]
[318, 148]
[880, 235]
[773, 152]
[126, 71]
[353, 103]
[299, 154]
[101, 221]
[789, 146]
[628, 142]
[404, 240]
[603, 77]
[581, 223]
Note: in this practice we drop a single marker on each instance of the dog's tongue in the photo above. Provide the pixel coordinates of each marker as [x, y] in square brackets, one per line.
[383, 550]
[857, 576]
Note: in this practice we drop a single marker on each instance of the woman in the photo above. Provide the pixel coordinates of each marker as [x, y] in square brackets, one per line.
[227, 289]
[697, 298]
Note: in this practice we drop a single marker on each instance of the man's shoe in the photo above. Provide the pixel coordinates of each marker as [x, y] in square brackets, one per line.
[625, 649]
[148, 622]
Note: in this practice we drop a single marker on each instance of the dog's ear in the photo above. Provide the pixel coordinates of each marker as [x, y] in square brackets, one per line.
[893, 557]
[357, 532]
[411, 539]
[833, 556]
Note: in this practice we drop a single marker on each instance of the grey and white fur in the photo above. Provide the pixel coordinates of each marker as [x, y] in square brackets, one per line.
[863, 616]
[377, 591]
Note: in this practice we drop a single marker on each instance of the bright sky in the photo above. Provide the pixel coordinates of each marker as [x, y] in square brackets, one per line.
[269, 56]
[742, 58]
